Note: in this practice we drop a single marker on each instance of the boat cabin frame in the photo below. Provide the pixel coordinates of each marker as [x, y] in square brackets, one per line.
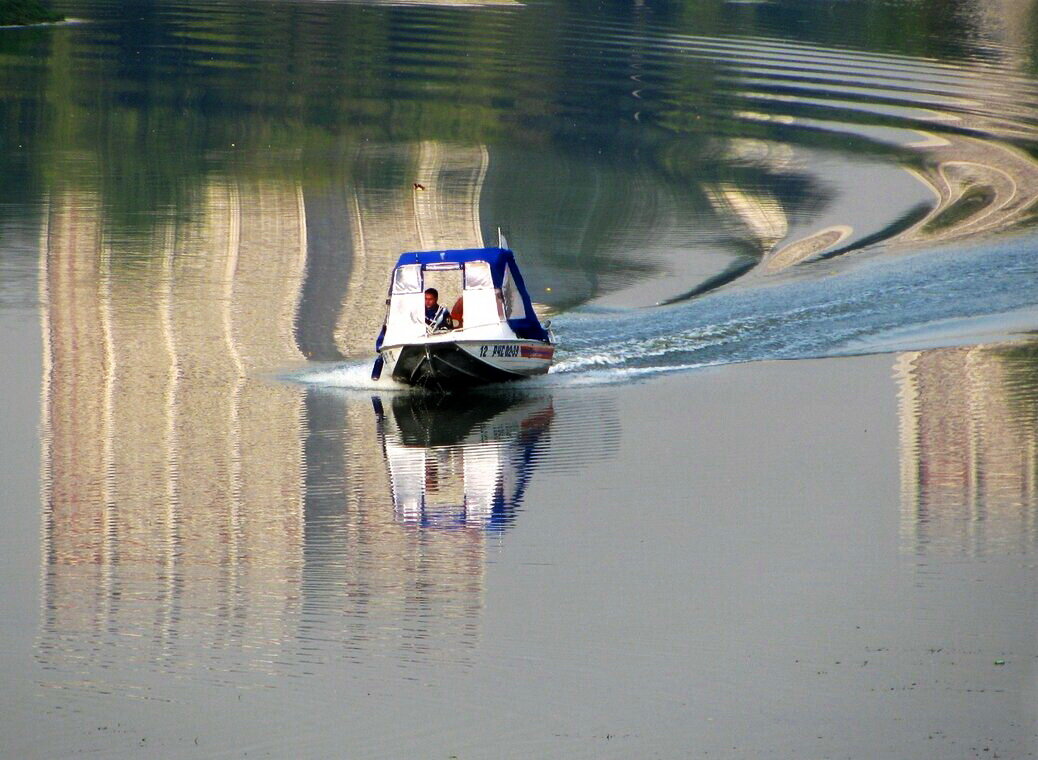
[495, 302]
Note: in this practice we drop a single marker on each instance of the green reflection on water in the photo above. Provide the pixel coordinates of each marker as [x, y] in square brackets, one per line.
[150, 99]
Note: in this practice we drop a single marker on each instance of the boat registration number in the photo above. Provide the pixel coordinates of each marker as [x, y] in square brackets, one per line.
[498, 351]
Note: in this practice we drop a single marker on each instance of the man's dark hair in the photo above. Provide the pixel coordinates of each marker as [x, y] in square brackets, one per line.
[434, 292]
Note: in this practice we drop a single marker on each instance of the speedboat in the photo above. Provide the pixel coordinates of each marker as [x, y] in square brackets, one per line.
[492, 336]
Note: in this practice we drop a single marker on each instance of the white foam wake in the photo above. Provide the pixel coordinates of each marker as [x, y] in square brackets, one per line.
[355, 375]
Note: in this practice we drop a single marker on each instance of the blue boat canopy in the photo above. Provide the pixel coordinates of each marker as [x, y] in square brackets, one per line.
[503, 273]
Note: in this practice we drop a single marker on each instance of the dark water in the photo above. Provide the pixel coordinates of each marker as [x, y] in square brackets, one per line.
[221, 539]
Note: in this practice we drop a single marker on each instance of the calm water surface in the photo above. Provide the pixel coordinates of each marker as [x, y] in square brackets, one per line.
[221, 539]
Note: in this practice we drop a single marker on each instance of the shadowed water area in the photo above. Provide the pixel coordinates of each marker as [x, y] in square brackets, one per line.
[221, 538]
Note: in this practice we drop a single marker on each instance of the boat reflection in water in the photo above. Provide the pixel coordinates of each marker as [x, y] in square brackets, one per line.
[461, 462]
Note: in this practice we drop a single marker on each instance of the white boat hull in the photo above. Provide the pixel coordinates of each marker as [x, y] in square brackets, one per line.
[450, 364]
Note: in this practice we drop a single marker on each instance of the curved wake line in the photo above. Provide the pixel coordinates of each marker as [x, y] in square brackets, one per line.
[881, 305]
[878, 305]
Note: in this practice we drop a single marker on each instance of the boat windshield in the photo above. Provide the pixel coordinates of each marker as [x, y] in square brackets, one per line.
[407, 279]
[477, 276]
[466, 290]
[513, 299]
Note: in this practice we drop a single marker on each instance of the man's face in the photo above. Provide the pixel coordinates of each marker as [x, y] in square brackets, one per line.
[430, 300]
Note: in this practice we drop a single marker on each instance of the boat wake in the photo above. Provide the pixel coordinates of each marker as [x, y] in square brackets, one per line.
[353, 374]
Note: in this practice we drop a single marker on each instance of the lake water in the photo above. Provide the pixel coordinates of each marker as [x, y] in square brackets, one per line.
[777, 498]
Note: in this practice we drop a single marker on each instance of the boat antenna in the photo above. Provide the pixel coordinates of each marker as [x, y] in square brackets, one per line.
[501, 241]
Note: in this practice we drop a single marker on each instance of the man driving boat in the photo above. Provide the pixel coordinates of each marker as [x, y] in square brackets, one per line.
[436, 317]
